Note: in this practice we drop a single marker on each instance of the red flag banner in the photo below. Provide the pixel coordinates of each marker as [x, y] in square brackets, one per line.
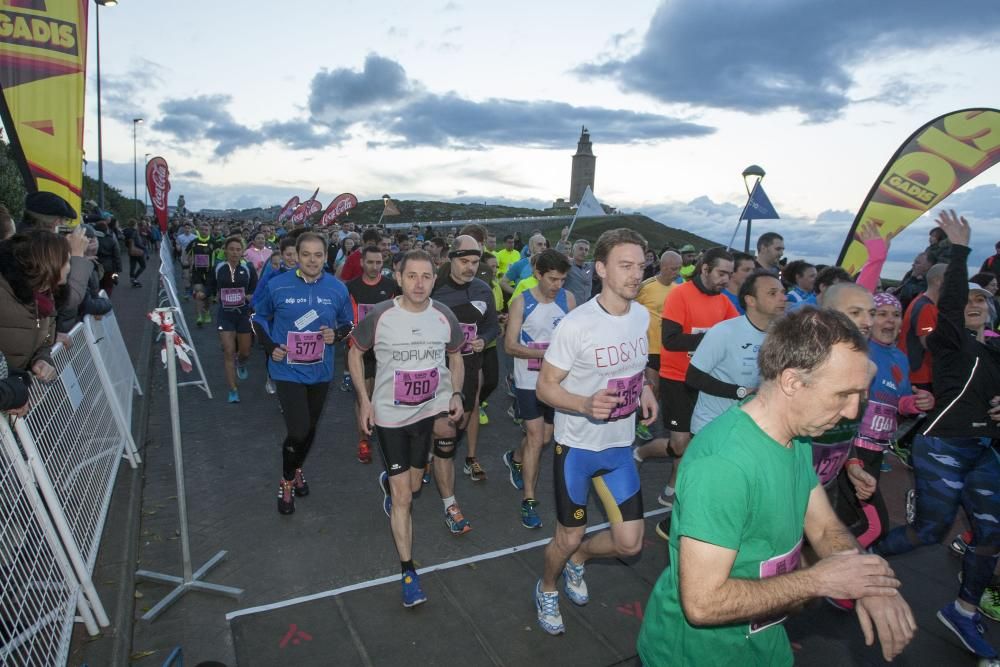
[287, 209]
[936, 160]
[338, 207]
[158, 184]
[305, 209]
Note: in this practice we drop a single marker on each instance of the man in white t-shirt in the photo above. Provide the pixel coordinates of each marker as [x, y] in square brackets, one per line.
[724, 367]
[592, 374]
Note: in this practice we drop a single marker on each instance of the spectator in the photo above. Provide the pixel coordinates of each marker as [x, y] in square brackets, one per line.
[45, 210]
[992, 263]
[109, 256]
[939, 249]
[802, 276]
[914, 282]
[14, 386]
[33, 265]
[770, 248]
[988, 281]
[137, 246]
[93, 303]
[651, 267]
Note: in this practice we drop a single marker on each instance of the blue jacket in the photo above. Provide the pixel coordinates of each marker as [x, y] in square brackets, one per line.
[265, 276]
[286, 299]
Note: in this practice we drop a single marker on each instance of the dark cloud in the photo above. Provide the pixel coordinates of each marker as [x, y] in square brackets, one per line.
[384, 97]
[757, 57]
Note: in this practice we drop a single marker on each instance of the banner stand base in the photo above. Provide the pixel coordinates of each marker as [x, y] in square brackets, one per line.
[183, 586]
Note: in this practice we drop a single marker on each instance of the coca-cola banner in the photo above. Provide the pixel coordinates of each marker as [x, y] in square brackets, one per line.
[305, 209]
[158, 184]
[339, 206]
[287, 209]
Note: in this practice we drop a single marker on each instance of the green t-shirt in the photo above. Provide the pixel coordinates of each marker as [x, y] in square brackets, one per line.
[741, 490]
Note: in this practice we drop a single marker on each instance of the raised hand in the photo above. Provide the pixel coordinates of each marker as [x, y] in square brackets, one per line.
[956, 228]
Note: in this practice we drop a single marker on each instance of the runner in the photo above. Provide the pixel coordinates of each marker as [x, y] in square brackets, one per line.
[954, 463]
[592, 374]
[367, 290]
[471, 300]
[747, 493]
[653, 294]
[689, 311]
[532, 318]
[233, 282]
[309, 310]
[743, 266]
[200, 252]
[412, 337]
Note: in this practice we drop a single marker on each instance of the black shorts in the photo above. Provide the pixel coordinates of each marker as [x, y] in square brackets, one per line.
[237, 320]
[470, 386]
[405, 447]
[614, 476]
[528, 406]
[369, 360]
[677, 402]
[654, 362]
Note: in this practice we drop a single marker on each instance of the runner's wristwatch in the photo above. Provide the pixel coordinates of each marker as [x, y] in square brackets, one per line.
[741, 392]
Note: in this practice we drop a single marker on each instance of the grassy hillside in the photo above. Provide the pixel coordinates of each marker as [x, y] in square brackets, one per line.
[658, 236]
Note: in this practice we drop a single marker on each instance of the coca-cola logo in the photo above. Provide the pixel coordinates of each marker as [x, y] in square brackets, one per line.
[158, 182]
[287, 209]
[339, 206]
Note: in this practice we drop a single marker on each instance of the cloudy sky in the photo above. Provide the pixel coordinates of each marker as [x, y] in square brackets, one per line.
[251, 102]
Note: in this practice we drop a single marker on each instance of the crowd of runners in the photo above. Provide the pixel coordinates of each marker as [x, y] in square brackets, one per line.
[780, 388]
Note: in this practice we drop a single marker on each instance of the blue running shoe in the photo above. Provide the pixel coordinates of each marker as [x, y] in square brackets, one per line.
[529, 515]
[547, 607]
[456, 521]
[346, 384]
[412, 593]
[242, 372]
[383, 482]
[968, 630]
[515, 469]
[234, 396]
[576, 587]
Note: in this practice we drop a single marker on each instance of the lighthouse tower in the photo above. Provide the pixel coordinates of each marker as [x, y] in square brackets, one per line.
[584, 163]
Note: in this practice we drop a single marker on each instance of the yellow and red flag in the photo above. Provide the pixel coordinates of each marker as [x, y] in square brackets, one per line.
[43, 71]
[936, 160]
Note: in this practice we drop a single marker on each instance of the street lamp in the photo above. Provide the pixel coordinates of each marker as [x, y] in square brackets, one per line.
[145, 190]
[135, 167]
[100, 149]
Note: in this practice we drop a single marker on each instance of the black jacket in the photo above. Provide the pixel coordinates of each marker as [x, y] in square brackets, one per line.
[966, 372]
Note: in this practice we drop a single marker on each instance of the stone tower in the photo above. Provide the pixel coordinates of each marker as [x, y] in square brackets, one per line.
[584, 164]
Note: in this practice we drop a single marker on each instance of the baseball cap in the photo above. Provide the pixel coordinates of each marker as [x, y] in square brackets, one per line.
[48, 203]
[973, 287]
[687, 247]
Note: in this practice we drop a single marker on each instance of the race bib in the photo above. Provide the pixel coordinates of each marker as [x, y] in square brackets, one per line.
[879, 422]
[536, 364]
[305, 347]
[414, 387]
[828, 460]
[201, 261]
[468, 335]
[772, 567]
[629, 390]
[232, 297]
[363, 310]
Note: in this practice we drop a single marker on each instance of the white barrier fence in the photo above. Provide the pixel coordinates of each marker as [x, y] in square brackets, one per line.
[168, 297]
[58, 466]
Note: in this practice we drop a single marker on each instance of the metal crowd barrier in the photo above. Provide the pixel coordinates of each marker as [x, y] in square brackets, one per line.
[168, 297]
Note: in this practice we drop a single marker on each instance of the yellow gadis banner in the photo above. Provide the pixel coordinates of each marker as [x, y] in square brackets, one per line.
[43, 71]
[936, 160]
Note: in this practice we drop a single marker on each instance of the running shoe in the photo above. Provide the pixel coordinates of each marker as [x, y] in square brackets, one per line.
[512, 413]
[529, 514]
[474, 470]
[412, 593]
[642, 431]
[547, 607]
[911, 506]
[902, 453]
[509, 383]
[364, 452]
[515, 470]
[270, 387]
[961, 542]
[484, 419]
[576, 587]
[663, 529]
[299, 484]
[242, 372]
[234, 396]
[346, 384]
[989, 603]
[457, 524]
[842, 605]
[968, 630]
[666, 498]
[286, 497]
[383, 482]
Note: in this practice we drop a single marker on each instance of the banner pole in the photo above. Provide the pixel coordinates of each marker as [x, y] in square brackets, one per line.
[746, 245]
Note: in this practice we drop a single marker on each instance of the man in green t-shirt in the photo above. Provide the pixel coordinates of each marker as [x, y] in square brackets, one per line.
[746, 499]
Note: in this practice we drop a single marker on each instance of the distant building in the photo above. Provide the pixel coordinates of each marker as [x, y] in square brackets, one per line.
[584, 165]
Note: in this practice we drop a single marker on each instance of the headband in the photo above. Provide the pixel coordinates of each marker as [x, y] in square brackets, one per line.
[468, 252]
[886, 299]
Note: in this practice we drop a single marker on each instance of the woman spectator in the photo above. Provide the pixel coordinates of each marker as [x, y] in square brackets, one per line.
[137, 244]
[988, 281]
[109, 255]
[802, 277]
[258, 253]
[346, 247]
[32, 267]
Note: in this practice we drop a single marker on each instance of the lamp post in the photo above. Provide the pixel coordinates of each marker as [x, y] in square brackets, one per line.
[145, 190]
[135, 167]
[751, 172]
[100, 148]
